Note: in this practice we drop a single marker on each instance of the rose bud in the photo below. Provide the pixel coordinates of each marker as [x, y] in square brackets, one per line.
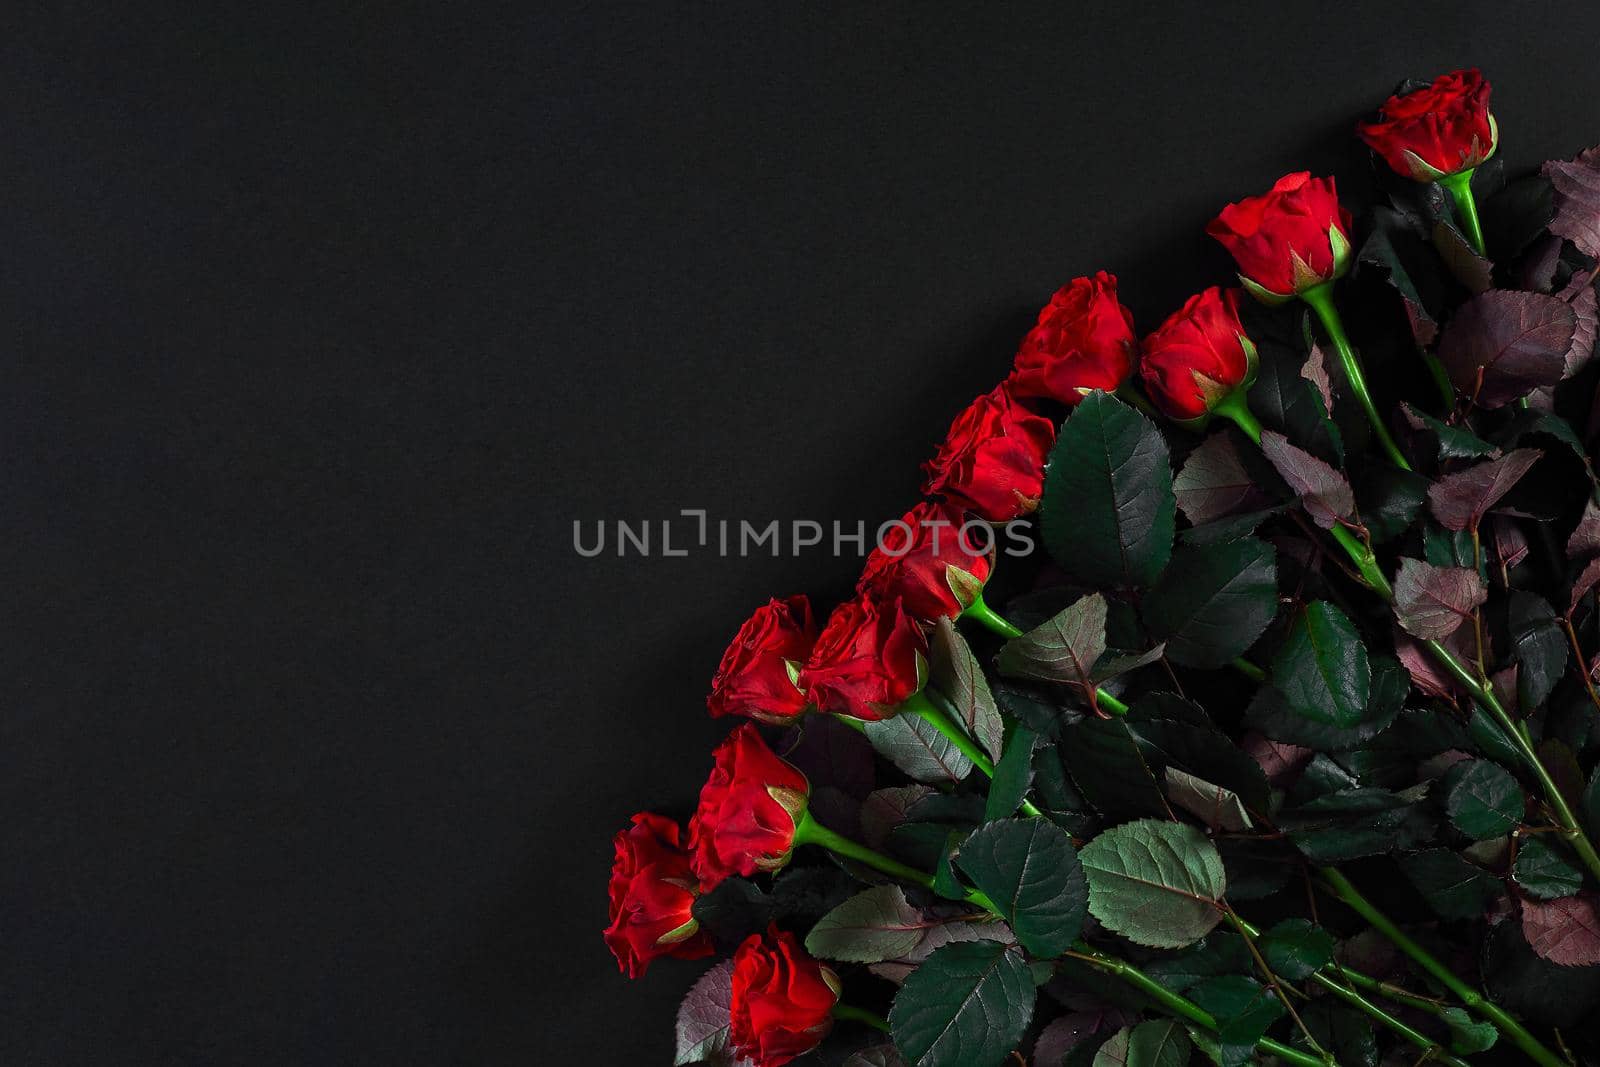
[748, 809]
[756, 677]
[1198, 356]
[928, 563]
[1437, 130]
[868, 661]
[652, 891]
[992, 460]
[782, 1000]
[1083, 341]
[1292, 239]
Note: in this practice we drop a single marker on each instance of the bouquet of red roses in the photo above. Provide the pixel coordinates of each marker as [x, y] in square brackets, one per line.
[1288, 753]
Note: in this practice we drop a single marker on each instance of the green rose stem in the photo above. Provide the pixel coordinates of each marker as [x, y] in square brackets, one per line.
[1320, 297]
[1434, 1050]
[921, 705]
[1360, 553]
[1181, 1006]
[986, 615]
[808, 831]
[847, 1013]
[1339, 886]
[1459, 186]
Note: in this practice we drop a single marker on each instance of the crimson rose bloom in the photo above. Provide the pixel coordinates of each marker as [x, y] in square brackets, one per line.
[992, 460]
[868, 661]
[1441, 129]
[1295, 237]
[748, 808]
[753, 679]
[782, 1000]
[1083, 341]
[1198, 356]
[928, 563]
[652, 891]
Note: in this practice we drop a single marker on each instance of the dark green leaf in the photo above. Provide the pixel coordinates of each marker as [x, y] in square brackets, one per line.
[1155, 883]
[1108, 510]
[1063, 650]
[876, 924]
[1012, 775]
[1270, 713]
[918, 748]
[1390, 500]
[1351, 824]
[1030, 870]
[1482, 799]
[1535, 989]
[732, 911]
[1345, 1032]
[1281, 397]
[1199, 749]
[1321, 669]
[954, 671]
[1158, 1043]
[1109, 768]
[1540, 646]
[1450, 442]
[1257, 868]
[1219, 952]
[967, 1006]
[1296, 948]
[1517, 214]
[1468, 1034]
[1214, 601]
[1243, 1008]
[1213, 805]
[1454, 887]
[1545, 873]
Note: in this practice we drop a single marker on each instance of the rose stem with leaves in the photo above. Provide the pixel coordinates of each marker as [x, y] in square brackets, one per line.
[986, 615]
[1181, 1006]
[1340, 888]
[1434, 1051]
[1234, 407]
[1320, 297]
[808, 831]
[921, 705]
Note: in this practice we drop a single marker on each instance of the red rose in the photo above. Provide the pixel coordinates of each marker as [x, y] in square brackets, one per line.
[652, 891]
[1295, 237]
[1198, 356]
[868, 661]
[1083, 341]
[992, 460]
[748, 807]
[782, 1000]
[1442, 129]
[927, 562]
[754, 678]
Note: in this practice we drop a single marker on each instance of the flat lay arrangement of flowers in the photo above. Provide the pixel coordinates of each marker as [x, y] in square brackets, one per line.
[1285, 748]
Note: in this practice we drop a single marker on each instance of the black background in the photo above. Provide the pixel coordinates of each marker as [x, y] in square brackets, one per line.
[321, 331]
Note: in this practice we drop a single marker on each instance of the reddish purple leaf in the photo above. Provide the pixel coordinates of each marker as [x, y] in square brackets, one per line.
[884, 809]
[1473, 271]
[1214, 483]
[1460, 500]
[1577, 185]
[1510, 543]
[1278, 760]
[1584, 541]
[1429, 678]
[1315, 371]
[1582, 350]
[1323, 491]
[1566, 931]
[1431, 602]
[1586, 581]
[1503, 344]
